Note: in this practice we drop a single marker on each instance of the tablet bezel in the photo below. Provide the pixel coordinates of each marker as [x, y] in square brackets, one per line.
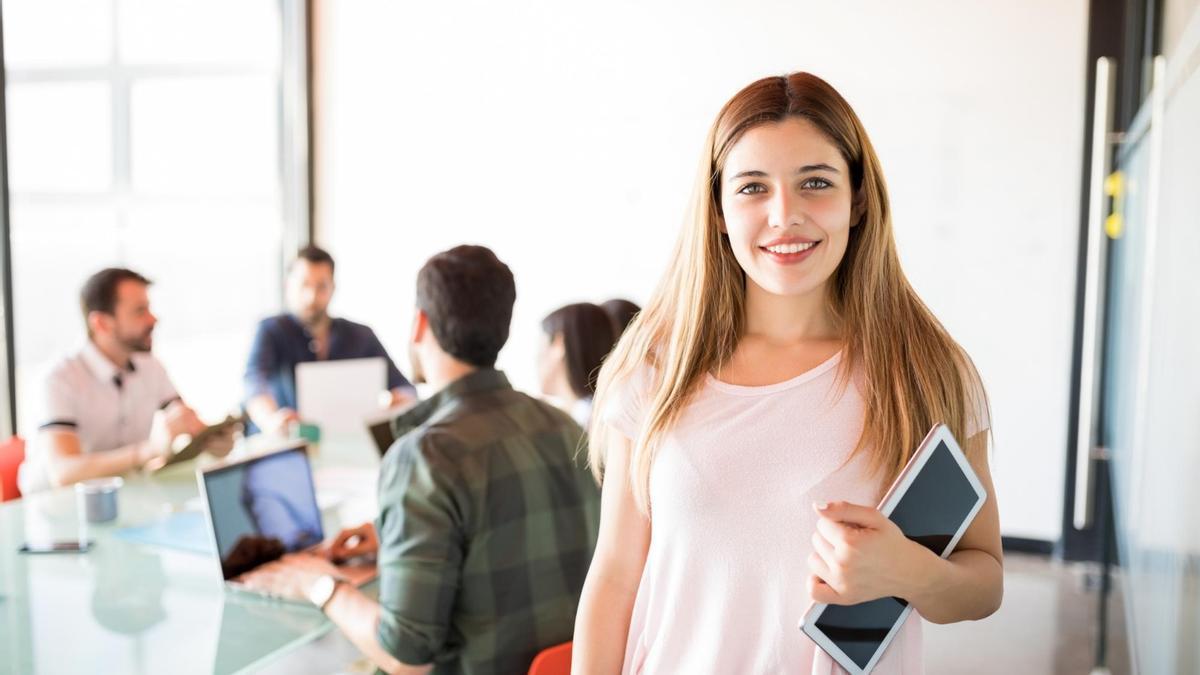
[196, 446]
[940, 433]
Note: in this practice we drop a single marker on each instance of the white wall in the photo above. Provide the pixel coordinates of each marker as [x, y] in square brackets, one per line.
[566, 138]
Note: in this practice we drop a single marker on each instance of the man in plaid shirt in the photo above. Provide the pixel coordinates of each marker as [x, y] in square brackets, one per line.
[488, 517]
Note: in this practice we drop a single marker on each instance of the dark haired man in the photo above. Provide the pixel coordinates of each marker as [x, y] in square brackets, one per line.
[306, 332]
[487, 522]
[110, 408]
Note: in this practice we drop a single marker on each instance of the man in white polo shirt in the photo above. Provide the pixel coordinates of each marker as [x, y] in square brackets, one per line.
[110, 407]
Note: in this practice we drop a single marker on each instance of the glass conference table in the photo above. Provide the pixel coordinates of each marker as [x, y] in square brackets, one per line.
[138, 605]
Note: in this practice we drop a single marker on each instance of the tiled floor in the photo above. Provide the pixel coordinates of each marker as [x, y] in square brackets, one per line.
[1046, 626]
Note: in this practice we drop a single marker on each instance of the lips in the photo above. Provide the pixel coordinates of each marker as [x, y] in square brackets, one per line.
[790, 251]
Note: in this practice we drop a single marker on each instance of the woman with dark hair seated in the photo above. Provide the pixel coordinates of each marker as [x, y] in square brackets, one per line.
[621, 311]
[577, 338]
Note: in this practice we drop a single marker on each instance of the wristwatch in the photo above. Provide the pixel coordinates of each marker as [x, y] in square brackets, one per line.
[322, 591]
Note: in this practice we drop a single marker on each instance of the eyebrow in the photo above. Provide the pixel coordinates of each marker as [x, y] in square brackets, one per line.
[807, 168]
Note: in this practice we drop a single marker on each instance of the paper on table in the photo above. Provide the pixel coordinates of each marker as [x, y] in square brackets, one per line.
[184, 531]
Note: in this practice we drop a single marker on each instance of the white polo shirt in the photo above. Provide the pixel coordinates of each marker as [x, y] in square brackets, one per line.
[106, 407]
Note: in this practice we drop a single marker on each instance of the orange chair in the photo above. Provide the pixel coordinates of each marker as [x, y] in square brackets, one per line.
[12, 453]
[554, 660]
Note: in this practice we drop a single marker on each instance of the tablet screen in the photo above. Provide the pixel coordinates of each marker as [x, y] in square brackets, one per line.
[937, 502]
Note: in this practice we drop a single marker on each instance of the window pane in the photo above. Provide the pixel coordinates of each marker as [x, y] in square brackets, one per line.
[217, 270]
[202, 215]
[42, 33]
[219, 263]
[170, 32]
[55, 248]
[205, 135]
[60, 137]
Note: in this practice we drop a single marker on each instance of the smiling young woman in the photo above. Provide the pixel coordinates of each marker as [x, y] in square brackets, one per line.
[784, 362]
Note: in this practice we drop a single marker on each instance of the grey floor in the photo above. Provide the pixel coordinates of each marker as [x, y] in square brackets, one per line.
[1047, 626]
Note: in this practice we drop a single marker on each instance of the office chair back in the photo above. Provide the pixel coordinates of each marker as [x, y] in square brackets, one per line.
[12, 453]
[554, 660]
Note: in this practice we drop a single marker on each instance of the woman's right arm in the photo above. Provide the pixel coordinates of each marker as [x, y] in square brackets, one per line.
[602, 626]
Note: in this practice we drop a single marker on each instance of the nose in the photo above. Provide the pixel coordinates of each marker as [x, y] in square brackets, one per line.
[784, 210]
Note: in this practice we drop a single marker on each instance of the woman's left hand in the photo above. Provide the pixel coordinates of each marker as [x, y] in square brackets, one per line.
[860, 555]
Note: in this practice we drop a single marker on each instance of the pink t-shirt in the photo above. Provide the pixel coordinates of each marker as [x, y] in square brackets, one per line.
[731, 493]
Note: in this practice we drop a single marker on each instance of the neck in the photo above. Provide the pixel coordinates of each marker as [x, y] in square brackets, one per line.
[115, 353]
[789, 318]
[442, 371]
[318, 326]
[561, 390]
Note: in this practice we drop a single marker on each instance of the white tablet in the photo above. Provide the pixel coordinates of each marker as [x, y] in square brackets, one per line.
[934, 500]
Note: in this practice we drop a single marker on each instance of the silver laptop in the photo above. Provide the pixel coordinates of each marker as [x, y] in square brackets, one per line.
[264, 507]
[339, 396]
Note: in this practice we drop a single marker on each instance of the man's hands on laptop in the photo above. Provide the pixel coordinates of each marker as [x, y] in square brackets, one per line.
[354, 542]
[290, 577]
[293, 575]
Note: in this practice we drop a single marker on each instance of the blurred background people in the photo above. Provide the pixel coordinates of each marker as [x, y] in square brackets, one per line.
[110, 407]
[306, 332]
[575, 340]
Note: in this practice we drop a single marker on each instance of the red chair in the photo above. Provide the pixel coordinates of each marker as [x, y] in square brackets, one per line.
[12, 453]
[554, 660]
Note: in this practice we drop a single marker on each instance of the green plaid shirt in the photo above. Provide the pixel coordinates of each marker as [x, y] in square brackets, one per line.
[487, 523]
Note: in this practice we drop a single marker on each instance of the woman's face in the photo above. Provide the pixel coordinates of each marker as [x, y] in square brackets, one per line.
[786, 199]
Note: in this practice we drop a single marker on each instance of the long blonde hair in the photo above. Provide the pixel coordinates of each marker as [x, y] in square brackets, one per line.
[914, 374]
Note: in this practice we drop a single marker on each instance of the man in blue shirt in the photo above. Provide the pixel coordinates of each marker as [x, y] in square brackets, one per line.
[307, 333]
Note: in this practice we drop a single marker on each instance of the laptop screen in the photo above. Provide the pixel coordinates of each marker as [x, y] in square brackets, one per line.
[262, 509]
[339, 396]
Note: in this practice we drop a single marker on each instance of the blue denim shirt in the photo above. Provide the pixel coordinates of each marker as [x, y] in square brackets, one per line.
[283, 341]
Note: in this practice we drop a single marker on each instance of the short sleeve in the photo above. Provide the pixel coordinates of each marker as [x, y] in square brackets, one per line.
[628, 402]
[979, 418]
[59, 404]
[164, 388]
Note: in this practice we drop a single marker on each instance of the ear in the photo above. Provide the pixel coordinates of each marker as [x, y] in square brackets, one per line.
[96, 321]
[558, 345]
[858, 207]
[420, 325]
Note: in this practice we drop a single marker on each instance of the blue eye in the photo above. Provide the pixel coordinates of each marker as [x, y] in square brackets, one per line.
[752, 189]
[816, 184]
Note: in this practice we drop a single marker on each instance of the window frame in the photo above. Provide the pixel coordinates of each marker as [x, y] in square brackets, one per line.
[294, 163]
